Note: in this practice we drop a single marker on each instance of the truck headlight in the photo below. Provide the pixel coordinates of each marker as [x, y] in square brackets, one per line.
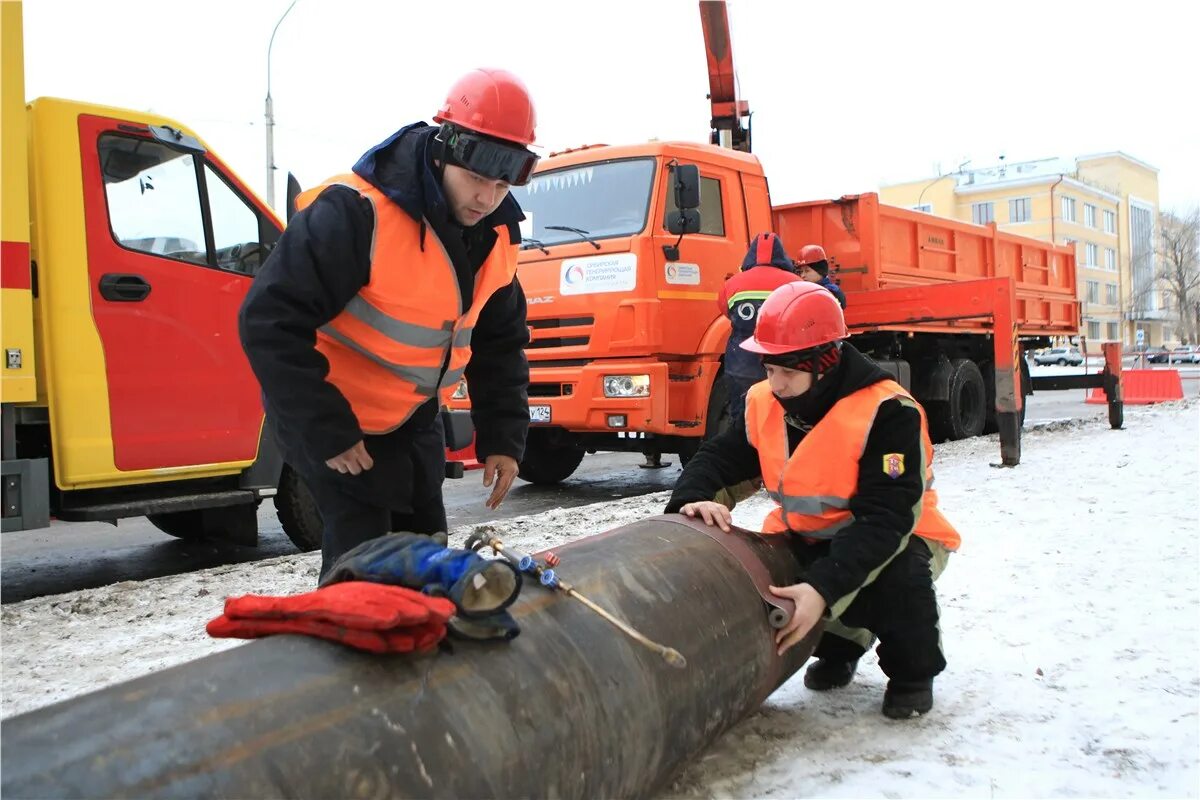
[460, 391]
[626, 385]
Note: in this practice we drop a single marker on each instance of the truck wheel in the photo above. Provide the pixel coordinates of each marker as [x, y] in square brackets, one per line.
[187, 525]
[298, 512]
[963, 415]
[717, 420]
[548, 461]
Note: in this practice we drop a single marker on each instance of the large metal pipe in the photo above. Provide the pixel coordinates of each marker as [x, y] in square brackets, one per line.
[572, 708]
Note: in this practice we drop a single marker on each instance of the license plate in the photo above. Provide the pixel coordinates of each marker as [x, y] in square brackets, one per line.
[539, 413]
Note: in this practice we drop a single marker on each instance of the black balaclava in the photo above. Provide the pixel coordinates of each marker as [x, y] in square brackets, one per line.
[806, 410]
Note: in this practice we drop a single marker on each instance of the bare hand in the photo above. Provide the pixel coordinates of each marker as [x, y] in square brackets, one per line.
[809, 608]
[354, 461]
[712, 514]
[502, 470]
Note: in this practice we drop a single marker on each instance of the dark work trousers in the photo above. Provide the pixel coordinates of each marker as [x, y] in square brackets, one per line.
[401, 492]
[900, 608]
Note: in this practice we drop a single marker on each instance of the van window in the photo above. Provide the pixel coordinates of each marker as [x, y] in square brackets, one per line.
[153, 198]
[156, 206]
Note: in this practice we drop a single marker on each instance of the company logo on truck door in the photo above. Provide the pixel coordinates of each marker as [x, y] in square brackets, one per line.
[683, 273]
[597, 274]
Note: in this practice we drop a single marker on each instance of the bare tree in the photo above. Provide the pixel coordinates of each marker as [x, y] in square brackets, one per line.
[1179, 268]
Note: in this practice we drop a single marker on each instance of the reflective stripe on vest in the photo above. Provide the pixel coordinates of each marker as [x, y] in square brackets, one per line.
[406, 336]
[813, 485]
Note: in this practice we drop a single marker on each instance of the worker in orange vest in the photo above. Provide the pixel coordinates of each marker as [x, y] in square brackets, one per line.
[844, 452]
[390, 285]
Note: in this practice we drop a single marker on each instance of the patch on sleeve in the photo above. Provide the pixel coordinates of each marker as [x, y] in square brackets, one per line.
[893, 465]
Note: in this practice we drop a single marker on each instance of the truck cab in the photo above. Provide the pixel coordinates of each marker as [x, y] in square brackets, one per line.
[626, 335]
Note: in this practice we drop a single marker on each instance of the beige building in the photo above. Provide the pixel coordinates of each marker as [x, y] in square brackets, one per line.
[1106, 205]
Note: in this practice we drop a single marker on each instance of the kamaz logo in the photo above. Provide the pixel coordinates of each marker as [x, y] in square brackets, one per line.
[935, 240]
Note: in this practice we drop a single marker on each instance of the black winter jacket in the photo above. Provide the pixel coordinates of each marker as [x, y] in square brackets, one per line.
[882, 506]
[323, 259]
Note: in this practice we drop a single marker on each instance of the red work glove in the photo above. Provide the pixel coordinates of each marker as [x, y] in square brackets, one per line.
[354, 604]
[369, 616]
[397, 640]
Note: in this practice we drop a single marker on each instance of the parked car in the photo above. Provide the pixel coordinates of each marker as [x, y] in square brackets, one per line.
[1060, 356]
[1157, 355]
[1184, 355]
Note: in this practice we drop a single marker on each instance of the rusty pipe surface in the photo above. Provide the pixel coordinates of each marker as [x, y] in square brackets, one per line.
[570, 708]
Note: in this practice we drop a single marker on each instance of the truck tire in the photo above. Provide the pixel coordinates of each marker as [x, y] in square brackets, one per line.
[298, 512]
[186, 525]
[716, 420]
[964, 414]
[548, 461]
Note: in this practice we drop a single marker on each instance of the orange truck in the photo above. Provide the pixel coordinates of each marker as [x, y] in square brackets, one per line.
[128, 246]
[627, 339]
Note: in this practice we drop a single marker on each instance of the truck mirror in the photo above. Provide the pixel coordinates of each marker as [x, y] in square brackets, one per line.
[687, 186]
[681, 222]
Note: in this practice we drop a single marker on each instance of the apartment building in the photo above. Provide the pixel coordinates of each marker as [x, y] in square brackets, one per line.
[1105, 205]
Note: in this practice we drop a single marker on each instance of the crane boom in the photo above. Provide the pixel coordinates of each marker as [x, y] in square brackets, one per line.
[728, 108]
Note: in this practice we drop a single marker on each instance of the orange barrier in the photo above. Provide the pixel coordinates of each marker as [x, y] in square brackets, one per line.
[1143, 386]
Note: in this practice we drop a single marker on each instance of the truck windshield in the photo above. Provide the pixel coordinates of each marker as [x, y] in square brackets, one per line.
[606, 199]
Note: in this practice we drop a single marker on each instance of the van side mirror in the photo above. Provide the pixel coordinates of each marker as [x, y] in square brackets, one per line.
[687, 186]
[683, 222]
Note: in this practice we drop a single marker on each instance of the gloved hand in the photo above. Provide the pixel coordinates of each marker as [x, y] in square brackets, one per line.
[369, 616]
[477, 586]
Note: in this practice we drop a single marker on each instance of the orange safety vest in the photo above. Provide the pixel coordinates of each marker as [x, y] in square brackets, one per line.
[388, 347]
[814, 484]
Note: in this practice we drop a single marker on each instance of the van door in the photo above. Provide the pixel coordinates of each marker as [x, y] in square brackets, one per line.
[172, 244]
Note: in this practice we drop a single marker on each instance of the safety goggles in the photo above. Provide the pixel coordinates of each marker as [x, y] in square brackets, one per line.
[489, 158]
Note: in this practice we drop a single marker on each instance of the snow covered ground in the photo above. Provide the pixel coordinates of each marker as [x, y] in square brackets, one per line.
[1071, 621]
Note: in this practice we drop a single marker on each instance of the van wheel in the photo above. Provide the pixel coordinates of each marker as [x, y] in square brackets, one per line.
[964, 414]
[549, 458]
[716, 420]
[298, 512]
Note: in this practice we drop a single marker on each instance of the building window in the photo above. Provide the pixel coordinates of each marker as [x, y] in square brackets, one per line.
[1110, 293]
[1093, 292]
[1093, 329]
[1112, 332]
[983, 213]
[1018, 210]
[1110, 259]
[1091, 257]
[1068, 209]
[1110, 222]
[1089, 215]
[924, 208]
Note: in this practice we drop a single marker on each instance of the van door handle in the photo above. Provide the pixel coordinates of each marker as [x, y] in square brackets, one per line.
[121, 287]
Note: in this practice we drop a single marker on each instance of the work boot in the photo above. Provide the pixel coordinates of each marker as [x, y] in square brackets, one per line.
[907, 699]
[828, 674]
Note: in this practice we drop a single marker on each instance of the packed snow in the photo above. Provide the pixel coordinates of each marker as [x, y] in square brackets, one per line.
[1070, 618]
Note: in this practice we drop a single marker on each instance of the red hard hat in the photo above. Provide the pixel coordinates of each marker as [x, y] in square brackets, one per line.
[810, 254]
[492, 102]
[797, 316]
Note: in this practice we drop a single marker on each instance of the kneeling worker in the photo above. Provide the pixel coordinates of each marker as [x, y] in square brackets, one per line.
[845, 453]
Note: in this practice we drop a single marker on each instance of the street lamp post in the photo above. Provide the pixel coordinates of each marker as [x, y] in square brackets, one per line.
[270, 114]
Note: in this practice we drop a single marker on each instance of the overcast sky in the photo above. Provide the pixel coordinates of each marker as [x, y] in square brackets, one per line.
[845, 95]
